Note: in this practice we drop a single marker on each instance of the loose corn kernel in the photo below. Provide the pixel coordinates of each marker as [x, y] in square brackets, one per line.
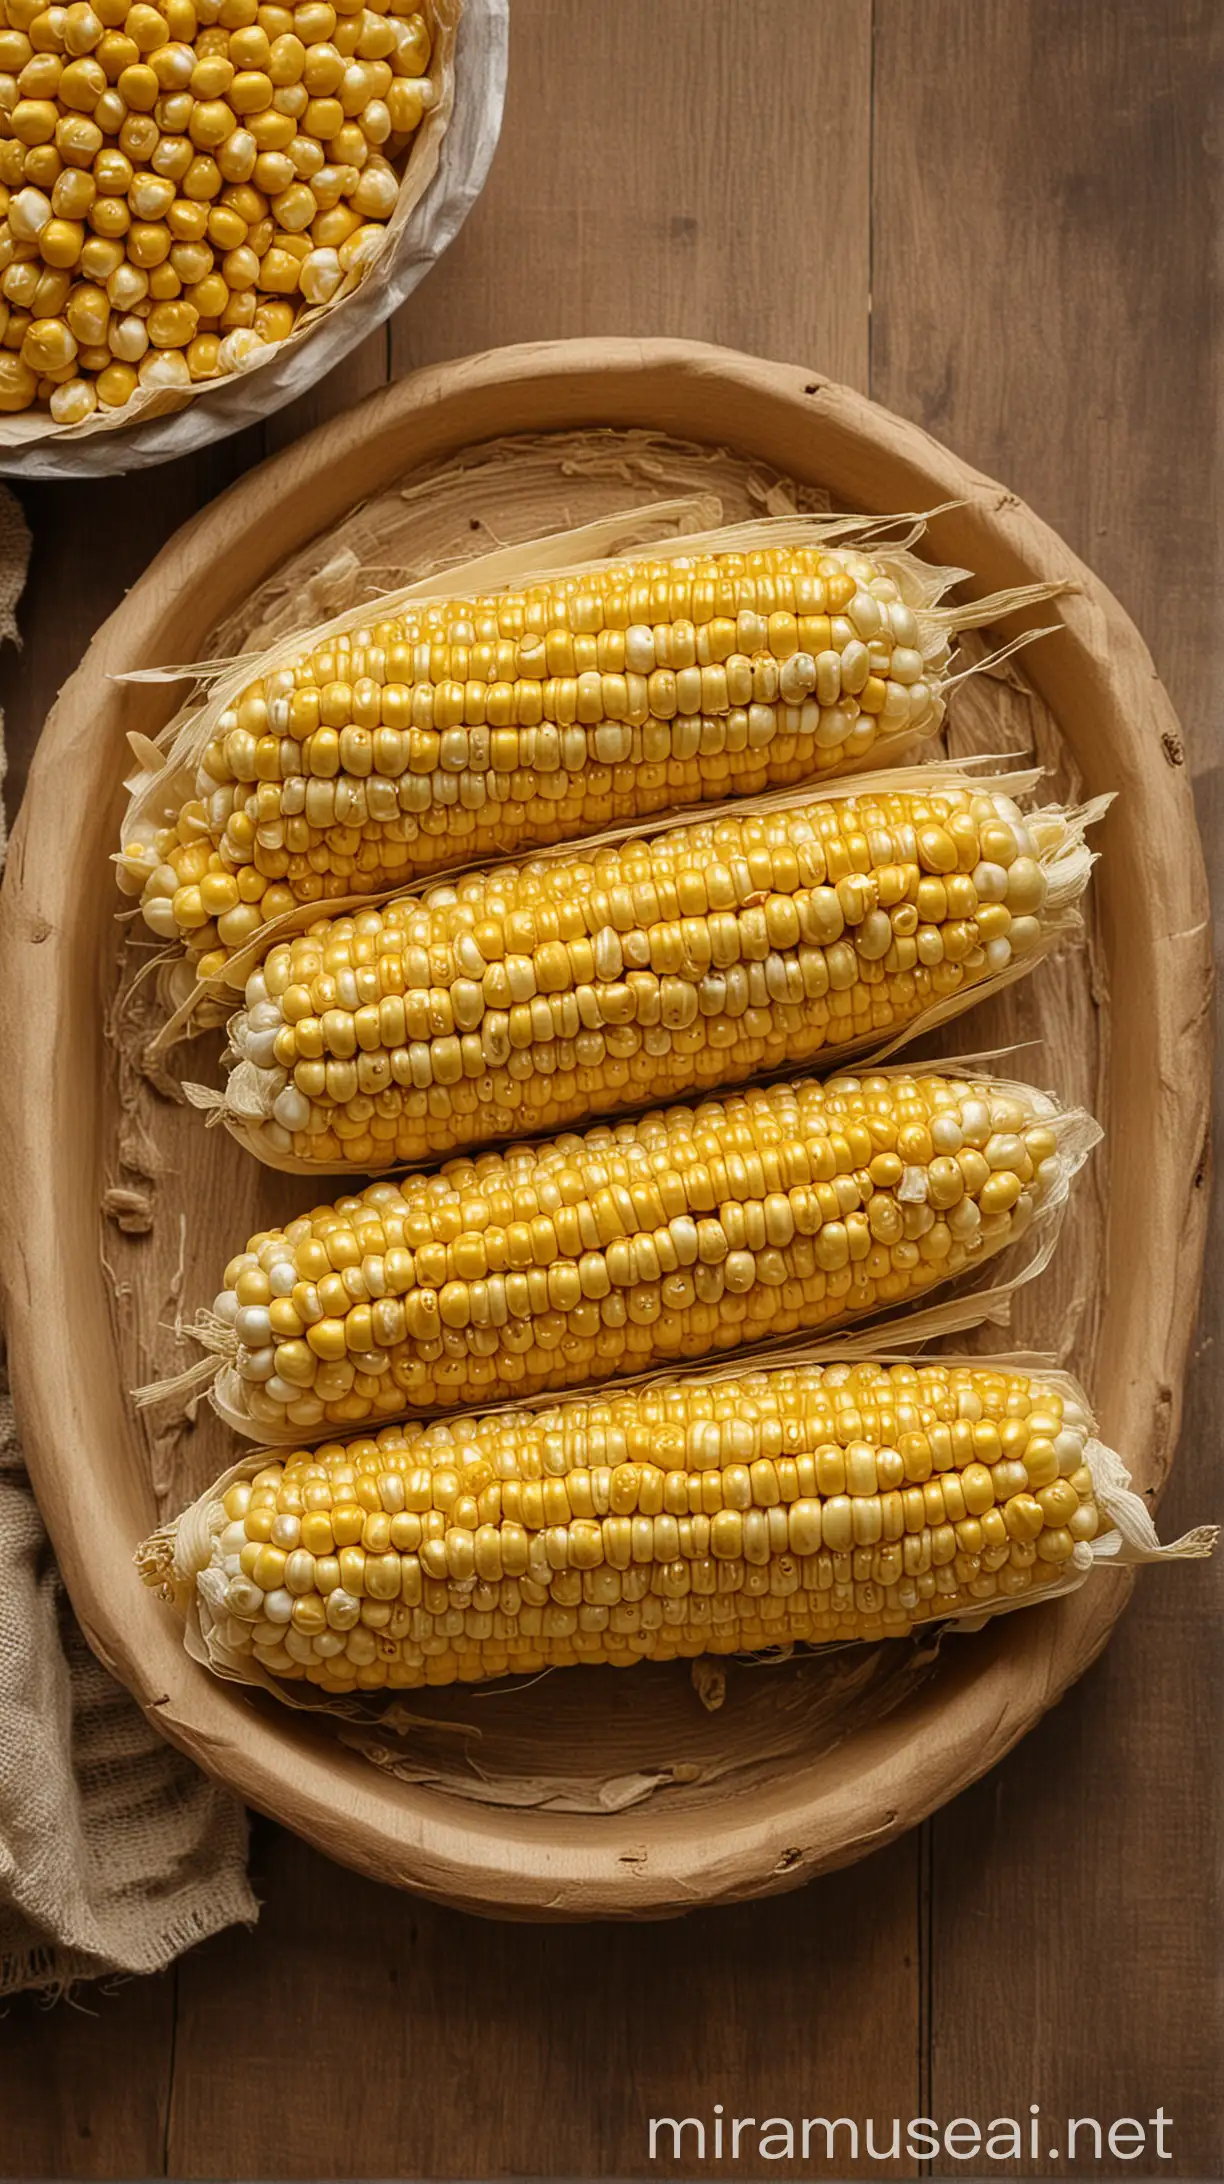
[124, 126]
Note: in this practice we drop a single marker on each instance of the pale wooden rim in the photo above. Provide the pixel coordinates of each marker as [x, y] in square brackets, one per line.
[83, 1452]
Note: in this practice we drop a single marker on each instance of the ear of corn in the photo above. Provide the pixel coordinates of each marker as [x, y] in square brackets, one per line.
[719, 1515]
[521, 998]
[684, 1231]
[430, 733]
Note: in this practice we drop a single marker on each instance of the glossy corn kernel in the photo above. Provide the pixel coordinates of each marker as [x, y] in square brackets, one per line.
[456, 729]
[810, 1504]
[685, 1231]
[126, 126]
[526, 997]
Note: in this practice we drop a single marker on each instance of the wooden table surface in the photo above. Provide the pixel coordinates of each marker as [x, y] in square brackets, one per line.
[1001, 218]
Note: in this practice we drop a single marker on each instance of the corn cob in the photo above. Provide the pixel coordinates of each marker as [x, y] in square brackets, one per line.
[456, 728]
[522, 998]
[711, 1515]
[688, 1230]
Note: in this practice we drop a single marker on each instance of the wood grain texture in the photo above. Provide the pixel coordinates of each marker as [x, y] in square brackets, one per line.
[1045, 293]
[670, 169]
[1082, 157]
[1124, 349]
[91, 541]
[365, 369]
[445, 2046]
[85, 2083]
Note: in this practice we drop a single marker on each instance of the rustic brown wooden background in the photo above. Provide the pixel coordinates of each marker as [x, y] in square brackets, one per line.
[1002, 218]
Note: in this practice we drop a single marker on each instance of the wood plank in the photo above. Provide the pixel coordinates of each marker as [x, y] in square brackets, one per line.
[1071, 1896]
[361, 2033]
[564, 2019]
[85, 2081]
[670, 170]
[365, 368]
[1060, 337]
[92, 539]
[1043, 242]
[94, 2115]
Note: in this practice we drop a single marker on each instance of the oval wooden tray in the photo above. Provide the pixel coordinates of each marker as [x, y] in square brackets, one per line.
[809, 1764]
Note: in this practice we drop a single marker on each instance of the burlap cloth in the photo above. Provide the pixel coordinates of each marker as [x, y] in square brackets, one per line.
[116, 1854]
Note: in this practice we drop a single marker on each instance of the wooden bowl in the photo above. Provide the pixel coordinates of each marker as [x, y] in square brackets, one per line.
[616, 1796]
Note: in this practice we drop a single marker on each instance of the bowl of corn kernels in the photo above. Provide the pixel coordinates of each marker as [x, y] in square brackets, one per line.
[204, 204]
